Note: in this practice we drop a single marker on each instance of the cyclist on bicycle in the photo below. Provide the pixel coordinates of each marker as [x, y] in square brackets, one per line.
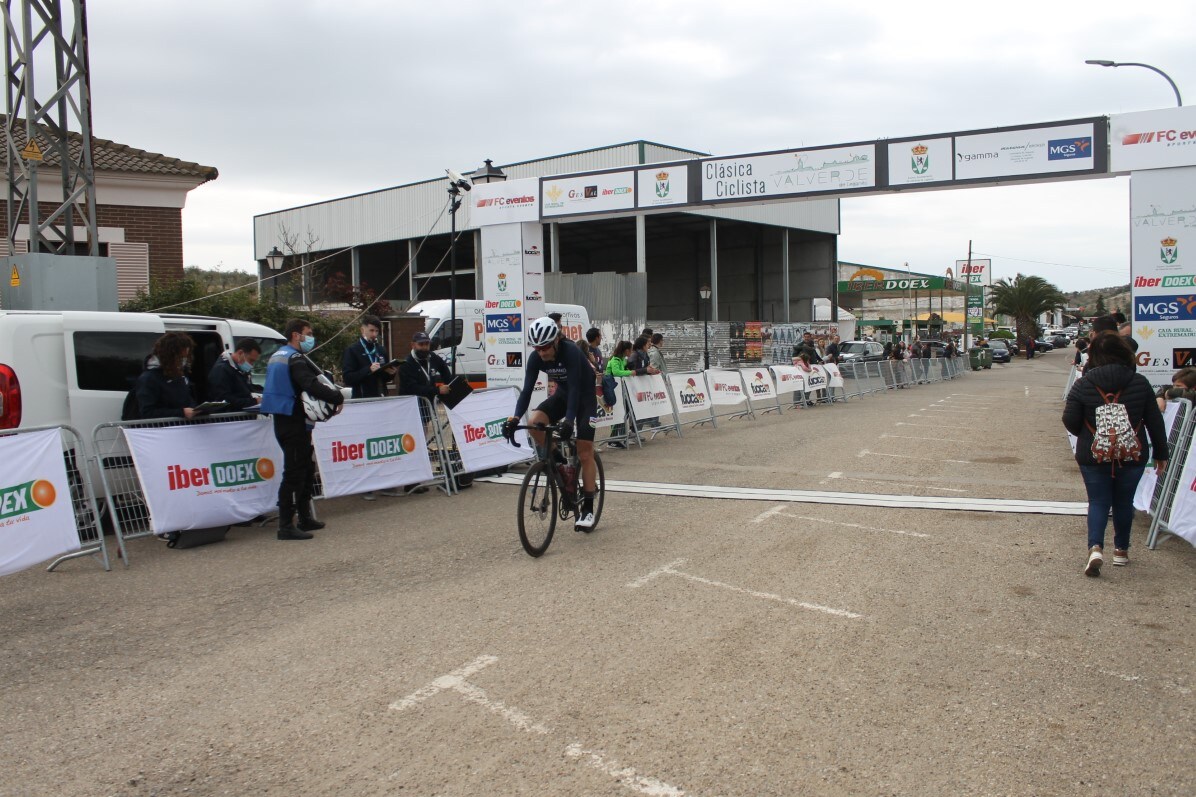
[571, 400]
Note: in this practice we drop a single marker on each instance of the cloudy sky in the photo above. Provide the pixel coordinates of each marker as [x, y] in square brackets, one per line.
[296, 101]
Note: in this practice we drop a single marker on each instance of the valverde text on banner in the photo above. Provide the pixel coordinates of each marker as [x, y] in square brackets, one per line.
[372, 446]
[37, 521]
[477, 427]
[196, 477]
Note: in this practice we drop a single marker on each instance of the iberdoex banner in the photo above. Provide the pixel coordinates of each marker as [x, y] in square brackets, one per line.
[37, 521]
[372, 446]
[216, 474]
[477, 426]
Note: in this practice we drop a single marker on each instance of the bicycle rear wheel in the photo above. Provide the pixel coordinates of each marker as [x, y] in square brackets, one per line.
[537, 509]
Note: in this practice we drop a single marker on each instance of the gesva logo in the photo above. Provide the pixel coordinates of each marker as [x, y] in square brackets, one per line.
[220, 474]
[374, 448]
[25, 498]
[491, 431]
[1165, 308]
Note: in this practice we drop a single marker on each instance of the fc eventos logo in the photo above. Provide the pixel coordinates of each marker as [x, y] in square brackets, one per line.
[504, 323]
[221, 474]
[25, 498]
[1165, 308]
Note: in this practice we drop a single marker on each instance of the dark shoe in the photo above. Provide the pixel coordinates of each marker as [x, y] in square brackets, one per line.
[310, 524]
[292, 533]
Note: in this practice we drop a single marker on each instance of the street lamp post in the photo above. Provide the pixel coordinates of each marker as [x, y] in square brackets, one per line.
[274, 260]
[705, 292]
[1103, 62]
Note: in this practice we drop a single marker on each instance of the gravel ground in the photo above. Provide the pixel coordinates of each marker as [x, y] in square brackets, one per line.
[696, 646]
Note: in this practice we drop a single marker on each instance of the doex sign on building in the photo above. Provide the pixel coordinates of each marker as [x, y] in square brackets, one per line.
[37, 521]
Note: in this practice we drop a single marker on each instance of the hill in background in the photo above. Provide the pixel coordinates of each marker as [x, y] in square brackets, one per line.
[1116, 298]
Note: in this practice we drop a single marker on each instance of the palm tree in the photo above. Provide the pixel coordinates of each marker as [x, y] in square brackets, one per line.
[1025, 298]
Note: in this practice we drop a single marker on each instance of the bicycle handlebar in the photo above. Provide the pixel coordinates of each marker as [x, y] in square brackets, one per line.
[539, 427]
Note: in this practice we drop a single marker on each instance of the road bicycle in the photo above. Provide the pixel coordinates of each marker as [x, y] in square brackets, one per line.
[552, 489]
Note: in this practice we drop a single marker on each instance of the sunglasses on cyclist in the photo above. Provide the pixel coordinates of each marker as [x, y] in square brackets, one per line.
[545, 347]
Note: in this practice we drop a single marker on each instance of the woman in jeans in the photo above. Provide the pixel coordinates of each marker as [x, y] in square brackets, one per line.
[1112, 484]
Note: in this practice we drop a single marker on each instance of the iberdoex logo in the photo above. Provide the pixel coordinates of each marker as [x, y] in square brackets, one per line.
[220, 474]
[491, 431]
[374, 448]
[1173, 281]
[1165, 308]
[25, 498]
[502, 304]
[1062, 149]
[504, 323]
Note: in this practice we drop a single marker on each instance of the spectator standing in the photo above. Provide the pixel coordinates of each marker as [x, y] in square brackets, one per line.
[619, 365]
[1183, 386]
[1031, 345]
[363, 361]
[1111, 485]
[832, 350]
[639, 362]
[1081, 353]
[289, 374]
[163, 389]
[655, 355]
[229, 381]
[1126, 331]
[424, 373]
[594, 352]
[807, 344]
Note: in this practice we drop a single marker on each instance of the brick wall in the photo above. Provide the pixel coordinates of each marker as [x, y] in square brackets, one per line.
[161, 228]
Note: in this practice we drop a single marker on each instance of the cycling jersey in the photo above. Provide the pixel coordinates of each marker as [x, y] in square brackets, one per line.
[569, 371]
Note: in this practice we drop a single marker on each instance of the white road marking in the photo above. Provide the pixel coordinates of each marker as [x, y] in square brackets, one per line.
[866, 452]
[834, 475]
[625, 775]
[670, 570]
[778, 511]
[449, 681]
[767, 513]
[475, 694]
[944, 409]
[841, 477]
[1133, 679]
[1027, 391]
[926, 439]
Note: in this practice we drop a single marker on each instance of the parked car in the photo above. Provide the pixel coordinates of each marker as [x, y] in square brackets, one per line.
[860, 351]
[1000, 350]
[1042, 345]
[1060, 341]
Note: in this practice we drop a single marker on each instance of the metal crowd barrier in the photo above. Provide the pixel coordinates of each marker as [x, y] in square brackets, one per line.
[700, 417]
[765, 405]
[733, 410]
[83, 501]
[1180, 442]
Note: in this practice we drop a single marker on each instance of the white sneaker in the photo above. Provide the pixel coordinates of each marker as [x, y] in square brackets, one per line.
[584, 522]
[1095, 560]
[368, 497]
[392, 493]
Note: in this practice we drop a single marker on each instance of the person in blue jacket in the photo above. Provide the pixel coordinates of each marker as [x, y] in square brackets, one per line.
[228, 381]
[288, 374]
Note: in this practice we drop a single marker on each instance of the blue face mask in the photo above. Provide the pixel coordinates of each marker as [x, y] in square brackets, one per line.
[245, 367]
[307, 344]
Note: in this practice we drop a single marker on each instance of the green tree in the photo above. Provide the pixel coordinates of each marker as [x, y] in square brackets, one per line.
[1100, 305]
[1025, 298]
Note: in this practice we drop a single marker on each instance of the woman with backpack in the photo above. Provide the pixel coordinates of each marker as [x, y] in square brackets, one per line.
[1111, 410]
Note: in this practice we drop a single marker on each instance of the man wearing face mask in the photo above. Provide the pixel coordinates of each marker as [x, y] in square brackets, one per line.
[288, 374]
[420, 372]
[363, 361]
[229, 378]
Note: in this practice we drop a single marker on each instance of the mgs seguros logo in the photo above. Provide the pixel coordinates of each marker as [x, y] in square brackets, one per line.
[504, 323]
[23, 499]
[221, 475]
[1165, 308]
[1064, 149]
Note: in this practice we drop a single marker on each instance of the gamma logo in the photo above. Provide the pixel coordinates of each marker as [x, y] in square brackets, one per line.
[23, 499]
[919, 159]
[1065, 149]
[221, 474]
[1165, 308]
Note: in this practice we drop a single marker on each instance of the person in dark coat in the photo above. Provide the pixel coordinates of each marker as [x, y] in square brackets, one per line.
[228, 380]
[362, 363]
[807, 345]
[1113, 484]
[163, 389]
[424, 372]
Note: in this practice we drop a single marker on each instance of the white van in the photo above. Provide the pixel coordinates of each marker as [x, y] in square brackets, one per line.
[471, 354]
[76, 368]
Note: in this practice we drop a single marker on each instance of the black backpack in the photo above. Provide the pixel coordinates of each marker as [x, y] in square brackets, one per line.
[130, 410]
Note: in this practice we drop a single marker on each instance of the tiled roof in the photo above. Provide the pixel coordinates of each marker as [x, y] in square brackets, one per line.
[108, 156]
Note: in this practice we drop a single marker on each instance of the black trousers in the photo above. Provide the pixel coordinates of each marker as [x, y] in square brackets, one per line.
[298, 465]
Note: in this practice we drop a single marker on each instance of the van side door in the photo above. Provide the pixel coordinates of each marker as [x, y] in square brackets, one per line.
[105, 353]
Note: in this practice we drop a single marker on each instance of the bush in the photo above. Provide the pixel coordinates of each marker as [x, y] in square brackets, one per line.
[244, 305]
[1002, 334]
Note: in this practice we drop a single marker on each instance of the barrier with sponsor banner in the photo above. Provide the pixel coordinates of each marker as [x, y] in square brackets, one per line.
[648, 397]
[761, 391]
[834, 382]
[728, 392]
[375, 444]
[47, 508]
[1173, 510]
[691, 397]
[1150, 487]
[477, 422]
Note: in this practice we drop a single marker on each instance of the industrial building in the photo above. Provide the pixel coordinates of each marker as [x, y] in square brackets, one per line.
[766, 262]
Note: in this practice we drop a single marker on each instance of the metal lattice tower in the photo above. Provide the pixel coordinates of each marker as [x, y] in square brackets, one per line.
[50, 127]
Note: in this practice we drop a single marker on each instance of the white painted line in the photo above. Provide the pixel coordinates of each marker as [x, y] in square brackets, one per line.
[924, 459]
[625, 775]
[767, 513]
[875, 500]
[953, 412]
[449, 681]
[920, 425]
[1027, 391]
[1133, 679]
[660, 571]
[841, 477]
[474, 694]
[926, 439]
[835, 475]
[766, 595]
[852, 525]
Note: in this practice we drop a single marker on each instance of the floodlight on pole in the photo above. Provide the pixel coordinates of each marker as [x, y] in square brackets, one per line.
[1105, 62]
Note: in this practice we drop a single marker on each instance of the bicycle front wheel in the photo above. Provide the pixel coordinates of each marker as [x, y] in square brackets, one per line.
[537, 509]
[599, 489]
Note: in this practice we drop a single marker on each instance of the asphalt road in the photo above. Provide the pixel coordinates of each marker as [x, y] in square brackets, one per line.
[690, 645]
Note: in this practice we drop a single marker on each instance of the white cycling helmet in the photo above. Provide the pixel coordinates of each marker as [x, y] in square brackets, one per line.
[542, 332]
[317, 409]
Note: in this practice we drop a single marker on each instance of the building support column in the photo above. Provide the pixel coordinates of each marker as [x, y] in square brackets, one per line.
[641, 245]
[785, 273]
[554, 238]
[477, 263]
[411, 266]
[714, 269]
[355, 266]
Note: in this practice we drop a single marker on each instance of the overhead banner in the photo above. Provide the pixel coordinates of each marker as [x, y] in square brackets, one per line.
[789, 173]
[511, 201]
[689, 392]
[901, 284]
[1152, 139]
[790, 379]
[660, 186]
[477, 427]
[759, 383]
[648, 395]
[1027, 151]
[37, 520]
[375, 445]
[503, 313]
[926, 160]
[726, 387]
[213, 474]
[587, 193]
[1163, 270]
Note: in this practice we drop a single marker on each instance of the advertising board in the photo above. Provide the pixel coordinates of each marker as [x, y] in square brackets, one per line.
[587, 193]
[789, 173]
[660, 186]
[504, 203]
[927, 160]
[1152, 139]
[1027, 151]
